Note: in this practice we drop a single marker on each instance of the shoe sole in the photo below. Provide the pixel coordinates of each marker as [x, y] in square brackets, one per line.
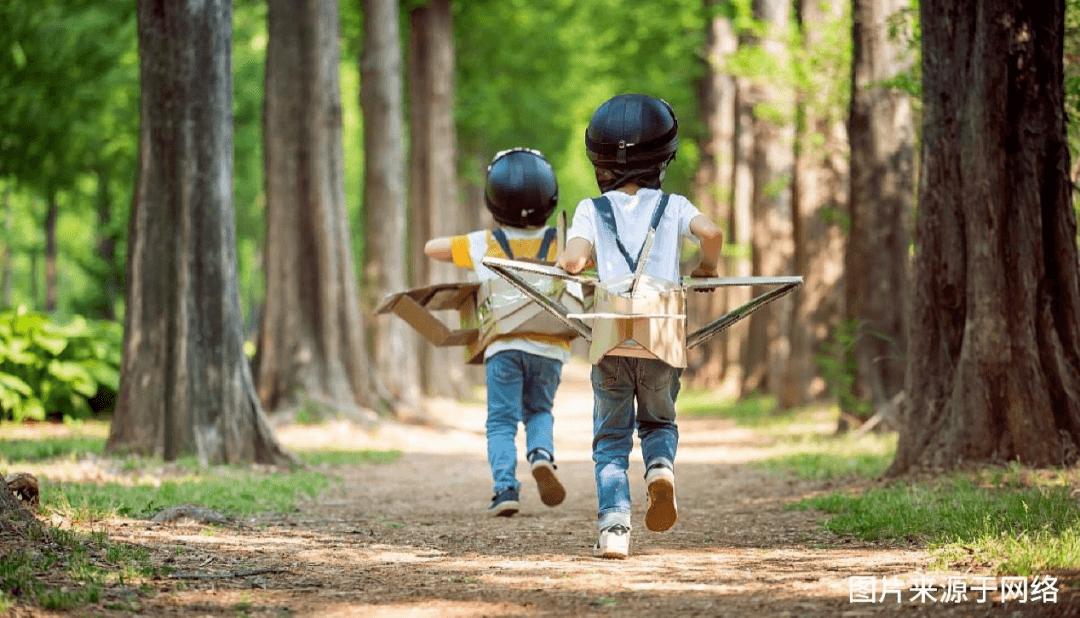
[612, 553]
[662, 512]
[552, 493]
[505, 509]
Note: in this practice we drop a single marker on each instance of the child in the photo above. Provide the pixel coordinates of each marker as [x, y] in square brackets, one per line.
[630, 140]
[523, 372]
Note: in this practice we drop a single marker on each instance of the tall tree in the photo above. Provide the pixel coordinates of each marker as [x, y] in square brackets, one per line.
[311, 340]
[385, 229]
[185, 384]
[993, 368]
[820, 190]
[434, 199]
[715, 171]
[772, 237]
[881, 132]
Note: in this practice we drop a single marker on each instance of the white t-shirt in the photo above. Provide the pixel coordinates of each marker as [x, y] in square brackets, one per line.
[633, 213]
[469, 249]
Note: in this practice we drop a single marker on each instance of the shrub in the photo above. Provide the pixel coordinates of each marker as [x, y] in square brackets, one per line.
[50, 370]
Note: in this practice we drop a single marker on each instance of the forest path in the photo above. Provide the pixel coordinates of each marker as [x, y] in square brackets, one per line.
[412, 538]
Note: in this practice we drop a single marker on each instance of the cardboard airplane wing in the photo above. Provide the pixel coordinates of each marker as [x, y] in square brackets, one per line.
[638, 315]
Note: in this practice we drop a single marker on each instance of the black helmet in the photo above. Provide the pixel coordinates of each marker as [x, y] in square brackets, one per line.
[521, 189]
[632, 131]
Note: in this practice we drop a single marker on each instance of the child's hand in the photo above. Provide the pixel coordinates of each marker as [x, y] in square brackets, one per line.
[572, 265]
[575, 257]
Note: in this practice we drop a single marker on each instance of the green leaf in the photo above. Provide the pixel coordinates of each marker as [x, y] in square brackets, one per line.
[75, 376]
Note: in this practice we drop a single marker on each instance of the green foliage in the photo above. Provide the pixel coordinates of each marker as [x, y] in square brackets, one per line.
[49, 370]
[838, 367]
[1022, 530]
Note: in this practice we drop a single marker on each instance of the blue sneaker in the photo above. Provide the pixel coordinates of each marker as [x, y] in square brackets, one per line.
[505, 503]
[552, 493]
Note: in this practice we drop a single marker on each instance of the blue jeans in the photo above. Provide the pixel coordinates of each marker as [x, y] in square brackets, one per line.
[619, 381]
[520, 389]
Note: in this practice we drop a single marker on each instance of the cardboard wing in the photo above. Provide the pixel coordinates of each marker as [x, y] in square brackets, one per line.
[415, 307]
[638, 315]
[487, 311]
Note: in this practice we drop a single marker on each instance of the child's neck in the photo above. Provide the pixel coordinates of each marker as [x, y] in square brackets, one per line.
[629, 188]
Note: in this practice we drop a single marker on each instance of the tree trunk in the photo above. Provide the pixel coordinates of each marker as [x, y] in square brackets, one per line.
[435, 193]
[385, 208]
[185, 384]
[773, 241]
[52, 210]
[311, 339]
[6, 275]
[994, 364]
[714, 183]
[820, 187]
[106, 248]
[881, 132]
[738, 236]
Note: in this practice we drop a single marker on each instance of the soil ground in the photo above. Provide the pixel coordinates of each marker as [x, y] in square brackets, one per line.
[411, 538]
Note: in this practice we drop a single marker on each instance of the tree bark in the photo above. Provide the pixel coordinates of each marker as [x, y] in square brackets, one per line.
[993, 372]
[185, 384]
[385, 206]
[311, 339]
[106, 248]
[6, 275]
[714, 192]
[52, 210]
[820, 188]
[435, 203]
[881, 131]
[772, 238]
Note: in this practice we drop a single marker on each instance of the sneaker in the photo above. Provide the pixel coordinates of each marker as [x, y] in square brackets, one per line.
[663, 511]
[505, 503]
[614, 542]
[551, 490]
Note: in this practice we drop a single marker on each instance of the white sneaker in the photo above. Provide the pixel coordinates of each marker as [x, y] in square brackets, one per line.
[614, 542]
[663, 510]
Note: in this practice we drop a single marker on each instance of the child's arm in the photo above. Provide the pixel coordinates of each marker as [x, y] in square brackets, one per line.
[439, 249]
[712, 238]
[575, 257]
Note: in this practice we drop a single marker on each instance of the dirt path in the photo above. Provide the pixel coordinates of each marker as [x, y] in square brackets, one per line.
[412, 539]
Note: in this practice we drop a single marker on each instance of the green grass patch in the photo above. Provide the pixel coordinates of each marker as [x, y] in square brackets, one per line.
[233, 491]
[831, 457]
[70, 447]
[347, 458]
[752, 411]
[88, 561]
[1013, 528]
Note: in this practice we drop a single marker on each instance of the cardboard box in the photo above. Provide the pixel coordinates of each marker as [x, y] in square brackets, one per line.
[650, 324]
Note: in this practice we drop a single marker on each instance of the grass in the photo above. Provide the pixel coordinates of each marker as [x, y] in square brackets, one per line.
[1012, 520]
[144, 486]
[1014, 529]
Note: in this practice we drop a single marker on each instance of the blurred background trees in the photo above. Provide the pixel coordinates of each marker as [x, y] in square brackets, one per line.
[800, 127]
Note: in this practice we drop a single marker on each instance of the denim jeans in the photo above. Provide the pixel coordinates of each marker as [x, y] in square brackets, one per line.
[618, 382]
[520, 389]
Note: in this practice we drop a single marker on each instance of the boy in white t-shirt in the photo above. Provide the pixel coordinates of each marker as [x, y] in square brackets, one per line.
[523, 372]
[630, 140]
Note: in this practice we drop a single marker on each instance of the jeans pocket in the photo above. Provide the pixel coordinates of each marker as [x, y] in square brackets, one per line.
[502, 368]
[605, 374]
[656, 375]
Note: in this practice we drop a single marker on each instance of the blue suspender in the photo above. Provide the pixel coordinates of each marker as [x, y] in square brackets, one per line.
[607, 217]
